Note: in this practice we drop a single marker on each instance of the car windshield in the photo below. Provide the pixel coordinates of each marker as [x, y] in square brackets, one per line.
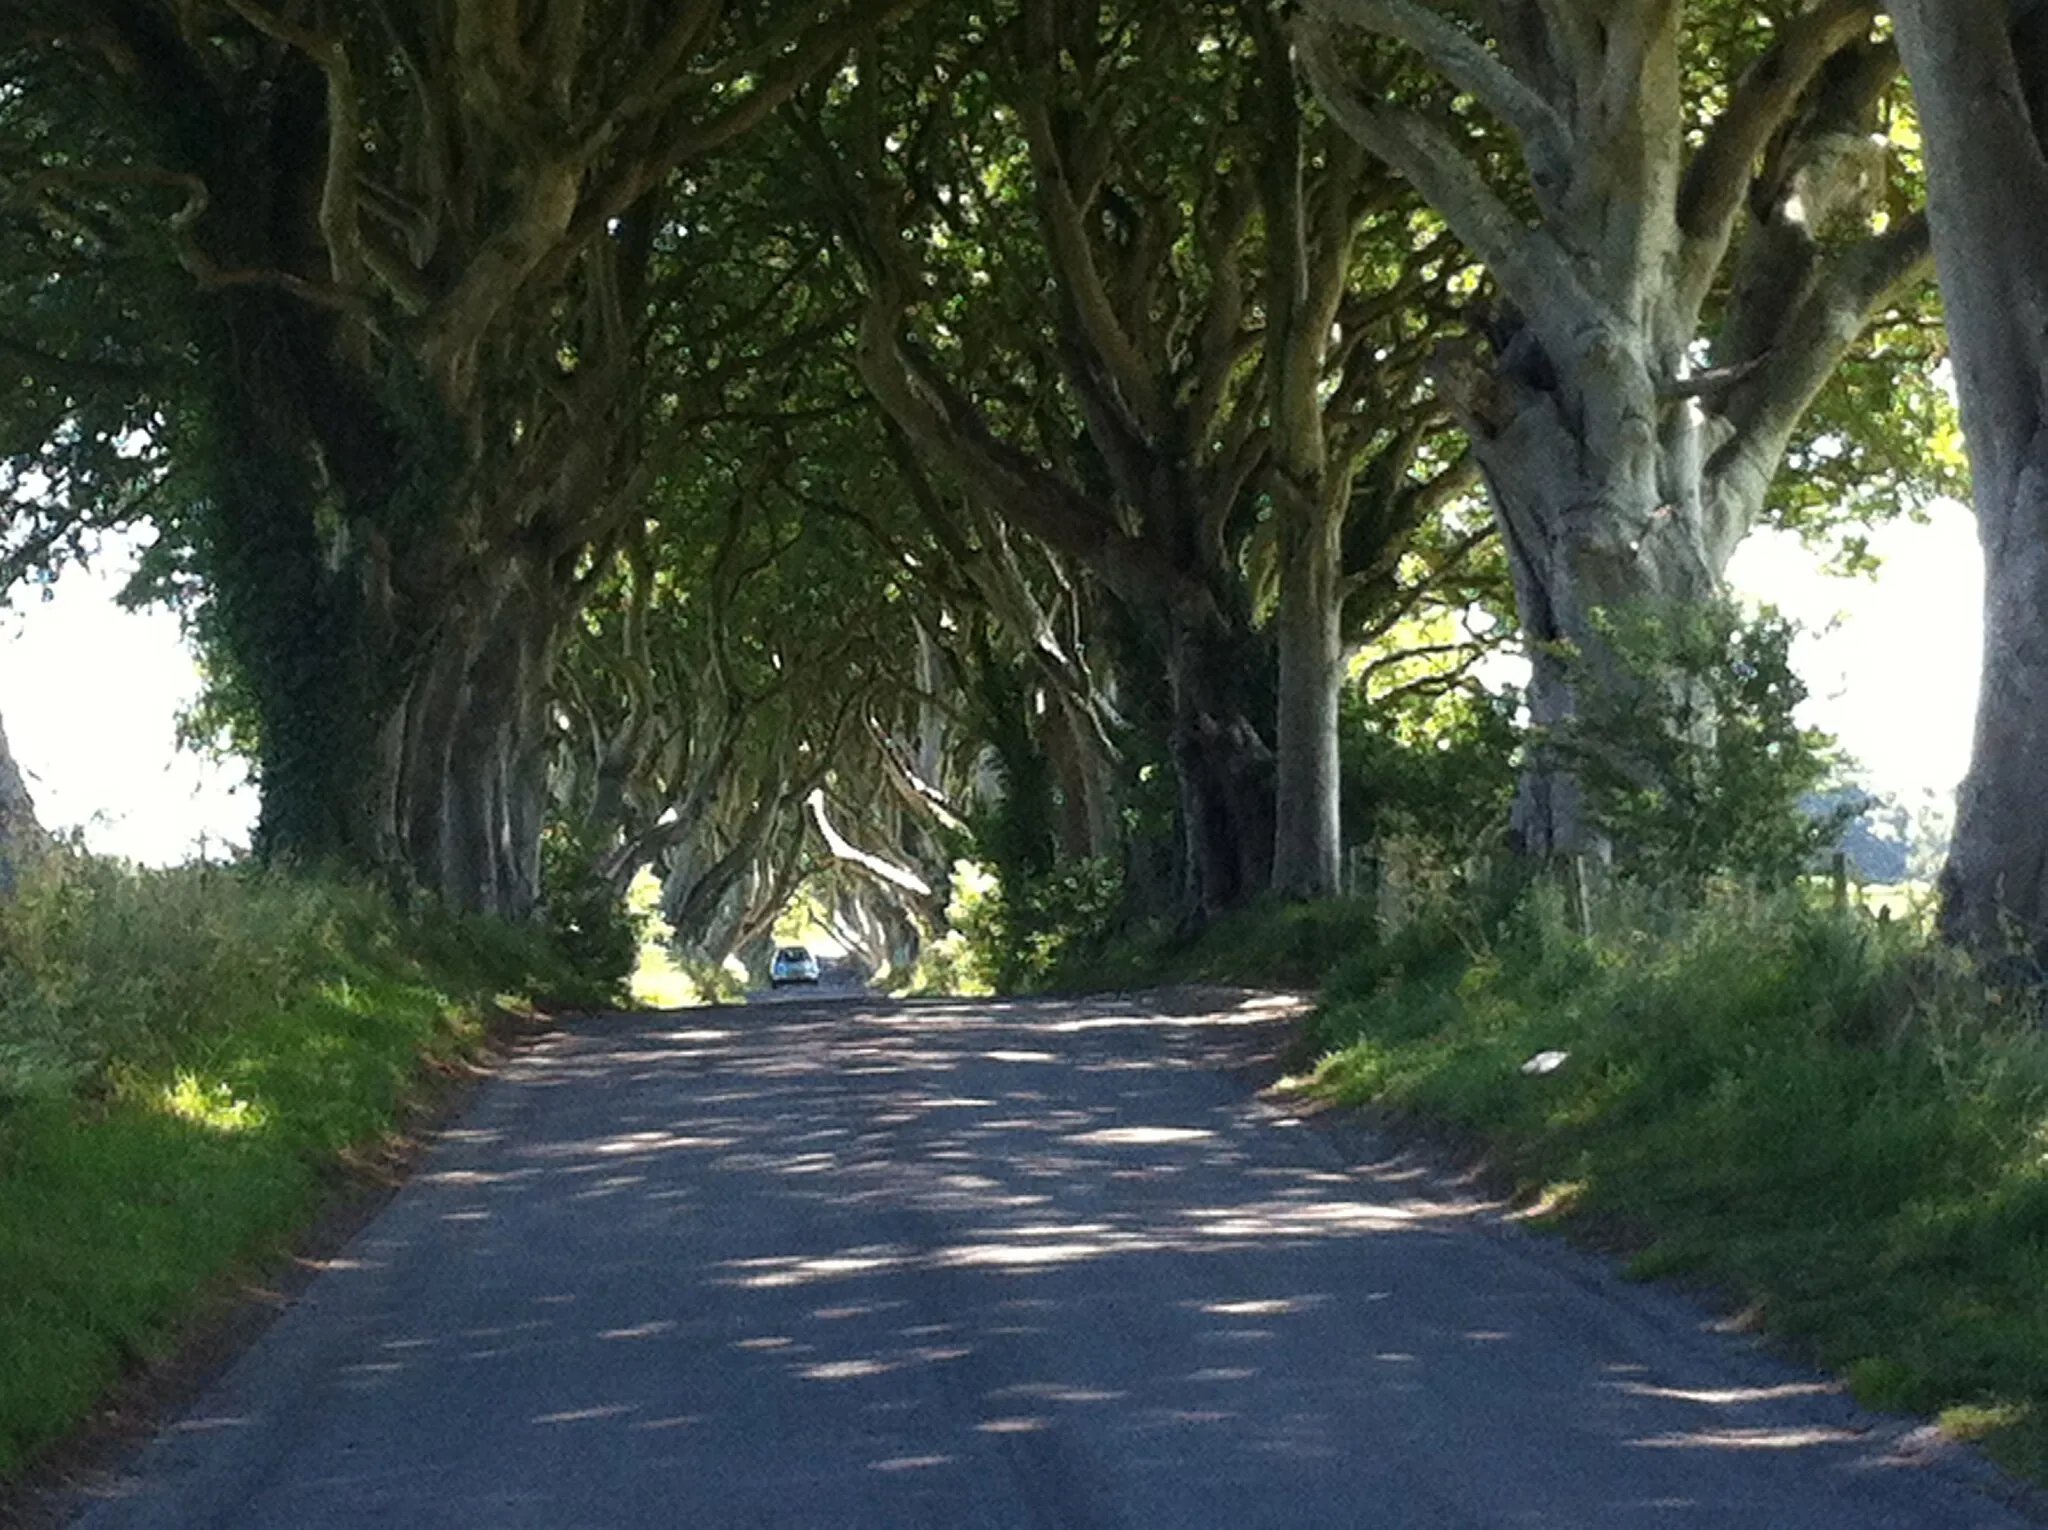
[791, 954]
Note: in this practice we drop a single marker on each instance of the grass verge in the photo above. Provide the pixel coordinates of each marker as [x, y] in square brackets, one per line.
[1817, 1114]
[1276, 945]
[191, 1063]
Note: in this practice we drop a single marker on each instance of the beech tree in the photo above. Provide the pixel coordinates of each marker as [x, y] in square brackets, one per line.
[1687, 218]
[723, 677]
[1979, 70]
[1133, 295]
[417, 244]
[760, 640]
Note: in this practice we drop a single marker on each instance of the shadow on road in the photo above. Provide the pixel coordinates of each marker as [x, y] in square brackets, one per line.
[841, 1262]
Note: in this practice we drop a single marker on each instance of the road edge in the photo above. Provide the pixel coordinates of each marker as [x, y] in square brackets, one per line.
[238, 1307]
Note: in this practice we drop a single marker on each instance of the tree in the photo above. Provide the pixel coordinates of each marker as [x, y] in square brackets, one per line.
[764, 640]
[1980, 74]
[21, 837]
[1131, 293]
[1673, 282]
[417, 244]
[1128, 454]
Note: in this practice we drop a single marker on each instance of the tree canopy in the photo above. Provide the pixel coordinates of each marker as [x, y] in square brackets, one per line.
[814, 443]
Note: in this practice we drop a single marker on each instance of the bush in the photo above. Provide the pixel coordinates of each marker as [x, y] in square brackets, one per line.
[1014, 939]
[1432, 769]
[594, 928]
[1694, 764]
[103, 961]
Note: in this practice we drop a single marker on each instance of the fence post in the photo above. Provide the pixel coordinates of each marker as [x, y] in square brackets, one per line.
[1390, 889]
[1358, 865]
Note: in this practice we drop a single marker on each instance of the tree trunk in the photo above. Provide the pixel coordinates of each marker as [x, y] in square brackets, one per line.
[472, 761]
[1978, 78]
[1994, 887]
[691, 905]
[1088, 827]
[1308, 843]
[1224, 773]
[21, 836]
[1599, 513]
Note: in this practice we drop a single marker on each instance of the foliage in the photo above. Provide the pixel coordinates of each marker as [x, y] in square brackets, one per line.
[1013, 832]
[947, 964]
[186, 1058]
[769, 630]
[596, 929]
[1696, 766]
[1433, 767]
[664, 978]
[104, 963]
[1273, 943]
[1014, 936]
[105, 966]
[1900, 1241]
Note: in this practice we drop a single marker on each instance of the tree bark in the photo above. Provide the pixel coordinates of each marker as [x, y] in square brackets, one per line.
[1598, 514]
[1308, 841]
[1086, 774]
[1166, 577]
[470, 766]
[1224, 773]
[1979, 78]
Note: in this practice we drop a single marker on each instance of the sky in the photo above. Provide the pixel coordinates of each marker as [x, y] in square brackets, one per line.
[1890, 663]
[90, 694]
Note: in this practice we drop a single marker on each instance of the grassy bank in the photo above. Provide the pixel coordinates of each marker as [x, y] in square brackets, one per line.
[1818, 1115]
[190, 1062]
[1268, 946]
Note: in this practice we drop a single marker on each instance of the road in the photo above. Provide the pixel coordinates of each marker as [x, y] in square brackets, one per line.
[960, 1264]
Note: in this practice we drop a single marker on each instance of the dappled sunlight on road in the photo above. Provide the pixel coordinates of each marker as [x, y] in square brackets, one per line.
[961, 1256]
[1791, 1438]
[1028, 1204]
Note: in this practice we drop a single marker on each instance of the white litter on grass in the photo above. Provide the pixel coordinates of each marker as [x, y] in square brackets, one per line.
[1545, 1062]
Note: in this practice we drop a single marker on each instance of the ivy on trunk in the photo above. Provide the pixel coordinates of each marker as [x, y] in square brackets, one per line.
[419, 239]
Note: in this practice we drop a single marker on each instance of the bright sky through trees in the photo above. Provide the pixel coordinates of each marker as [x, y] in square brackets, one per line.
[1891, 664]
[90, 696]
[90, 693]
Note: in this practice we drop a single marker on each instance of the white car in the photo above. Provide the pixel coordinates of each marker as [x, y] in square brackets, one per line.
[792, 964]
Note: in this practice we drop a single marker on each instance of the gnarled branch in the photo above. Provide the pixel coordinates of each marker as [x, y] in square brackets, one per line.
[1764, 409]
[1710, 196]
[1463, 59]
[1528, 263]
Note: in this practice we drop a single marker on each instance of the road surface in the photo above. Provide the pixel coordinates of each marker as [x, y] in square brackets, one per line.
[854, 1264]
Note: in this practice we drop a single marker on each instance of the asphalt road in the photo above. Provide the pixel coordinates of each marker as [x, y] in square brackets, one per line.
[851, 1264]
